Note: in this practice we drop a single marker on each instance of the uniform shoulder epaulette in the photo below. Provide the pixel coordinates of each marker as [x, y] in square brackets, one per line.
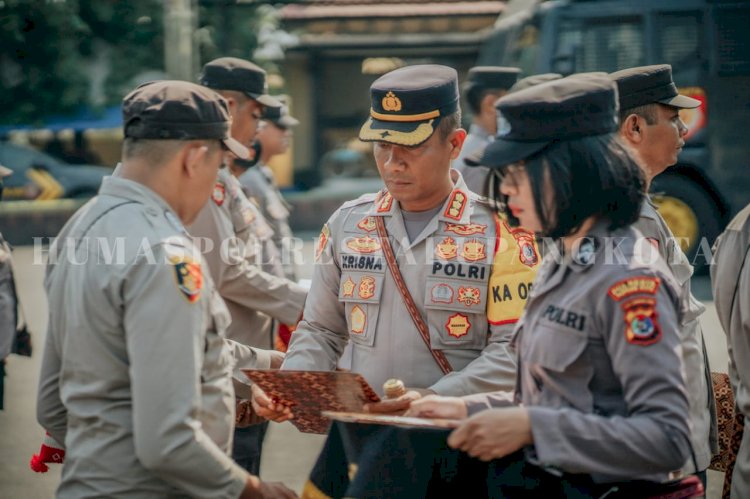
[363, 199]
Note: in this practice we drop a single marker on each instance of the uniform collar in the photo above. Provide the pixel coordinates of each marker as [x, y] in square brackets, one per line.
[479, 131]
[649, 209]
[589, 250]
[456, 208]
[119, 187]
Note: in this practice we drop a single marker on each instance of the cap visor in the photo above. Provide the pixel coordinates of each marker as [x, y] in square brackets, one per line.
[682, 101]
[403, 133]
[4, 172]
[266, 100]
[237, 148]
[505, 152]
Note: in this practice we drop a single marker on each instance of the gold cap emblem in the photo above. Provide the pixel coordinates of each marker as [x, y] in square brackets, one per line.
[391, 102]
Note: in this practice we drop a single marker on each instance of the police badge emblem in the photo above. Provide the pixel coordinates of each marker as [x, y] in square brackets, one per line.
[219, 194]
[189, 277]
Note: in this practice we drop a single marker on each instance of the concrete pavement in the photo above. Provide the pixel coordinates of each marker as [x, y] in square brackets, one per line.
[288, 455]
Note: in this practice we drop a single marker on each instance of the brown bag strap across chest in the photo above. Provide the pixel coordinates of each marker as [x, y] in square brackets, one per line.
[390, 258]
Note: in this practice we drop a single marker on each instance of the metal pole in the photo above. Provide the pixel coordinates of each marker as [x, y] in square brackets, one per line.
[179, 43]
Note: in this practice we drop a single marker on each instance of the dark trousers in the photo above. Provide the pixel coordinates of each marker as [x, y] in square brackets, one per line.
[247, 447]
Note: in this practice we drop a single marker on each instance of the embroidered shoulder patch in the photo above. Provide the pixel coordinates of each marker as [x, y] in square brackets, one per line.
[367, 224]
[188, 276]
[634, 285]
[465, 230]
[385, 203]
[325, 233]
[364, 244]
[219, 194]
[458, 325]
[456, 205]
[525, 239]
[641, 325]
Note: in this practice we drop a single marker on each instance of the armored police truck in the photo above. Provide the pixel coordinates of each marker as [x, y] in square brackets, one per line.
[707, 42]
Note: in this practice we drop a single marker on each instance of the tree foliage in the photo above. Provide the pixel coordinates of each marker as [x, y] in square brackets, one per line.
[52, 51]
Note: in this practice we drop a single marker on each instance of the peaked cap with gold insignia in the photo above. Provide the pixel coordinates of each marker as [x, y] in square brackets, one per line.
[409, 102]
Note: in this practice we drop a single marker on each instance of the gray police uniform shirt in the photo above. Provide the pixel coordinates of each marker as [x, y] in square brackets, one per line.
[354, 302]
[258, 184]
[704, 434]
[136, 373]
[476, 177]
[8, 302]
[730, 279]
[593, 330]
[253, 295]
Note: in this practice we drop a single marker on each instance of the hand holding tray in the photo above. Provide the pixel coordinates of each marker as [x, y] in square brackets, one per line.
[309, 393]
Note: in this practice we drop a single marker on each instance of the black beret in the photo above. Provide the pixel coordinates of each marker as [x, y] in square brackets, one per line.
[563, 109]
[178, 110]
[649, 84]
[409, 102]
[231, 73]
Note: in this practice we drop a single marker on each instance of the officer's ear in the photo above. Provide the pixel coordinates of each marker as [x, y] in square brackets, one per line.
[456, 140]
[631, 129]
[194, 157]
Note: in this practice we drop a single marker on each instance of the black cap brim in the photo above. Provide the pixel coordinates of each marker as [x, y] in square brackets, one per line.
[236, 148]
[402, 133]
[681, 101]
[265, 99]
[504, 152]
[285, 121]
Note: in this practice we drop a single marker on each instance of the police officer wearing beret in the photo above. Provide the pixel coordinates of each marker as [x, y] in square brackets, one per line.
[650, 125]
[484, 85]
[243, 259]
[274, 135]
[420, 281]
[136, 370]
[590, 416]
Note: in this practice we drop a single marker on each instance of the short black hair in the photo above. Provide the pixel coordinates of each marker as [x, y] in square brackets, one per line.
[648, 112]
[590, 176]
[476, 93]
[449, 124]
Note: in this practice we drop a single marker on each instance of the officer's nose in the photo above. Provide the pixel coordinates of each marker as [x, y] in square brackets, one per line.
[394, 159]
[682, 127]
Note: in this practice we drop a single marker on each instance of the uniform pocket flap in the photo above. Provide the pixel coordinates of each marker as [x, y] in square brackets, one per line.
[553, 348]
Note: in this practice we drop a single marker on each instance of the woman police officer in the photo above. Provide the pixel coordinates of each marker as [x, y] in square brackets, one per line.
[600, 406]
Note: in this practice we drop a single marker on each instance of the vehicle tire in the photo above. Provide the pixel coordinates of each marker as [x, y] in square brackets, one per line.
[691, 213]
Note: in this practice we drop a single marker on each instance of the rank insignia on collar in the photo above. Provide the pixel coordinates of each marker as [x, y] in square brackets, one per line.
[458, 325]
[465, 229]
[357, 320]
[367, 224]
[525, 240]
[447, 249]
[366, 287]
[364, 244]
[219, 194]
[348, 287]
[641, 326]
[469, 296]
[189, 277]
[384, 204]
[325, 233]
[473, 250]
[456, 205]
[441, 293]
[634, 286]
